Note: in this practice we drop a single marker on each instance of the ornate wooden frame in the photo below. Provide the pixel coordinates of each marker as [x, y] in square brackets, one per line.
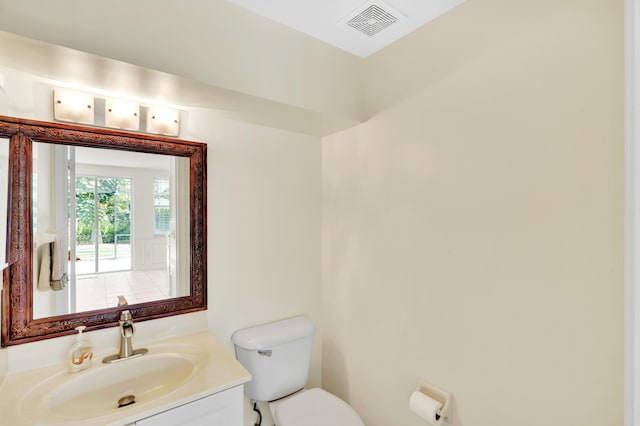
[18, 325]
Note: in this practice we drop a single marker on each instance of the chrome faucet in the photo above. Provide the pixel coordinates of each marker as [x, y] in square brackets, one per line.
[126, 333]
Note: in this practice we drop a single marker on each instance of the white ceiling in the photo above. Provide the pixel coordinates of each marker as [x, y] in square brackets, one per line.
[326, 19]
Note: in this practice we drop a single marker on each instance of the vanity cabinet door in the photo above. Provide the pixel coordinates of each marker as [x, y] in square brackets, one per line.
[220, 409]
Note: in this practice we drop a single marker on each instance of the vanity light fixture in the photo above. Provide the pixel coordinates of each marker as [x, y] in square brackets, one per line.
[85, 108]
[163, 121]
[73, 106]
[121, 114]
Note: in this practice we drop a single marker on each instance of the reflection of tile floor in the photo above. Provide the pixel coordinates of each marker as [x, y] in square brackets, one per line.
[98, 291]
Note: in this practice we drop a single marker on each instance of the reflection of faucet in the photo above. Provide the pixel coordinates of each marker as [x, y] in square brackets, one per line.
[126, 333]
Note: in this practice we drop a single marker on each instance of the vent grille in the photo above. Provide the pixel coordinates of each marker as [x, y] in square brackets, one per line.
[372, 20]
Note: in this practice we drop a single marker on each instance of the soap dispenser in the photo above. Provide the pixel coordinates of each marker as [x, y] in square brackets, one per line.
[81, 353]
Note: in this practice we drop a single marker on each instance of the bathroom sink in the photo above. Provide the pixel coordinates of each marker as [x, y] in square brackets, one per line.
[177, 370]
[107, 388]
[100, 390]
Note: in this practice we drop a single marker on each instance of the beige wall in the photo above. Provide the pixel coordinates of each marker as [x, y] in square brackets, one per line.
[264, 218]
[264, 240]
[472, 230]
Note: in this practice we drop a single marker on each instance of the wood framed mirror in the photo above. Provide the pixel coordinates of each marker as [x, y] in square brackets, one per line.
[32, 234]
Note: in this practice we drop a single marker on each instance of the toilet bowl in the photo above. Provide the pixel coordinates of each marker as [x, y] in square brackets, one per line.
[278, 355]
[313, 407]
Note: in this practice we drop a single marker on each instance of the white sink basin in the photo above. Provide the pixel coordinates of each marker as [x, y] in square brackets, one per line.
[101, 389]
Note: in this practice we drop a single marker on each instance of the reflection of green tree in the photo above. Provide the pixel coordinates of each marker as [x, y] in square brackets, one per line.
[114, 200]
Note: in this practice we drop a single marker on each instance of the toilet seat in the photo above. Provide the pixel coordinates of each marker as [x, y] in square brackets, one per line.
[314, 407]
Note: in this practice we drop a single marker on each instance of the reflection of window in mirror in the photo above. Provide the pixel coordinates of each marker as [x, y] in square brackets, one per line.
[103, 224]
[161, 206]
[114, 217]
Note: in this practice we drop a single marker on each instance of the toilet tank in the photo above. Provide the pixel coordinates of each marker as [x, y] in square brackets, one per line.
[277, 355]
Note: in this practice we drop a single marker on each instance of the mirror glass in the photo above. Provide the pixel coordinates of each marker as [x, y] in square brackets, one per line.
[122, 217]
[4, 175]
[97, 220]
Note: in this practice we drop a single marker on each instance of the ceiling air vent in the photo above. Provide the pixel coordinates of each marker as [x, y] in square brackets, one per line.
[373, 17]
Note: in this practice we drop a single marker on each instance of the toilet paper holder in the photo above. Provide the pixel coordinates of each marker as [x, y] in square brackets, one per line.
[439, 395]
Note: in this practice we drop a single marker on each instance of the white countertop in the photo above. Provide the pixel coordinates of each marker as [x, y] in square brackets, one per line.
[219, 372]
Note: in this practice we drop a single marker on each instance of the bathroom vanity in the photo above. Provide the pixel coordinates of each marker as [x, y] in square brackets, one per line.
[220, 409]
[184, 380]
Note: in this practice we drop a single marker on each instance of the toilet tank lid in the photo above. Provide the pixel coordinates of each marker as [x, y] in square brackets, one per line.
[273, 334]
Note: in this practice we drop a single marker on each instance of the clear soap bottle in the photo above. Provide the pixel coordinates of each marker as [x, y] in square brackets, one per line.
[81, 353]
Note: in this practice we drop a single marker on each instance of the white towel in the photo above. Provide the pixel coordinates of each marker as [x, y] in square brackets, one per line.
[51, 262]
[43, 260]
[59, 264]
[42, 238]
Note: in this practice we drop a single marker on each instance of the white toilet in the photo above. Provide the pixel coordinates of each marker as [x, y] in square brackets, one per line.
[277, 355]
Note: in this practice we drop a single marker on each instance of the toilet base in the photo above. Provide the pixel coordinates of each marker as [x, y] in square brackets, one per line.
[313, 407]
